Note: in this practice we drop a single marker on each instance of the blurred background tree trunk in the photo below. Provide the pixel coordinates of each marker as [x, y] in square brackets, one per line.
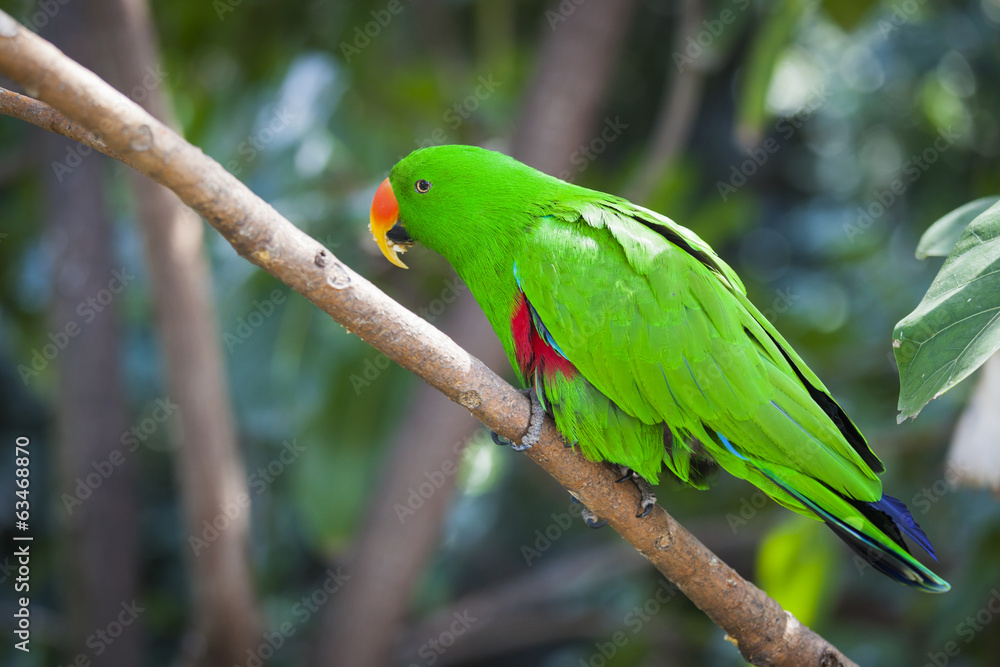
[210, 469]
[99, 505]
[577, 58]
[677, 114]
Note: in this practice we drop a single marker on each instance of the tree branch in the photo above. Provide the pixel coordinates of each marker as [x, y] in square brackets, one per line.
[42, 115]
[763, 631]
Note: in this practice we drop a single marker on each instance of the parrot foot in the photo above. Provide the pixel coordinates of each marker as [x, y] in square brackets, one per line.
[535, 425]
[647, 498]
[589, 517]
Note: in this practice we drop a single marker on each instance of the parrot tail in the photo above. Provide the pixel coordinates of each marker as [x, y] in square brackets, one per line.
[883, 548]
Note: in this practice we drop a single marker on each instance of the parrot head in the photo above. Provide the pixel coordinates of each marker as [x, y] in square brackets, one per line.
[455, 200]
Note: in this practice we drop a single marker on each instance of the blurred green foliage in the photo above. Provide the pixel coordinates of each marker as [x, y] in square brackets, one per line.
[310, 112]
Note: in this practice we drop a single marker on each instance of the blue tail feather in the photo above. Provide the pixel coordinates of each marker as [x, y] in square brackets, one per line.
[901, 516]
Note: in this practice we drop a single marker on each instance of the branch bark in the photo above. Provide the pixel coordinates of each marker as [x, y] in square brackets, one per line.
[47, 118]
[764, 633]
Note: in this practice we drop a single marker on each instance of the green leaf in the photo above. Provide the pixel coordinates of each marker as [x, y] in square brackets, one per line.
[942, 236]
[794, 564]
[956, 326]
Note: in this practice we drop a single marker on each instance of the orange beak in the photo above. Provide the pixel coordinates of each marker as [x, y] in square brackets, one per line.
[385, 214]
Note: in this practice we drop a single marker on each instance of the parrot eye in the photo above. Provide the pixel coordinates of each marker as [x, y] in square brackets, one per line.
[422, 186]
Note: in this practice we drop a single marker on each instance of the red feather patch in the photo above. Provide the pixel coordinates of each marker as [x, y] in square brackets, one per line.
[533, 353]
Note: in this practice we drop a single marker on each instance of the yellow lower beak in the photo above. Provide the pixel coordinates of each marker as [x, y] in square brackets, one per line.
[384, 214]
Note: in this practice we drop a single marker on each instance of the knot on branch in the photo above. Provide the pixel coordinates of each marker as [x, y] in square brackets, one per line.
[470, 399]
[142, 139]
[337, 277]
[664, 541]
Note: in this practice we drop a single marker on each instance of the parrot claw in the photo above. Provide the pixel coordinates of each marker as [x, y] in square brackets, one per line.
[647, 498]
[499, 439]
[592, 520]
[646, 509]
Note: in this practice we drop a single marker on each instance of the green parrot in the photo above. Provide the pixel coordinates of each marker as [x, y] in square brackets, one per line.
[641, 344]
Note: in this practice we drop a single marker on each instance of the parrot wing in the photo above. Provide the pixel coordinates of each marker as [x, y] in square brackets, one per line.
[659, 324]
